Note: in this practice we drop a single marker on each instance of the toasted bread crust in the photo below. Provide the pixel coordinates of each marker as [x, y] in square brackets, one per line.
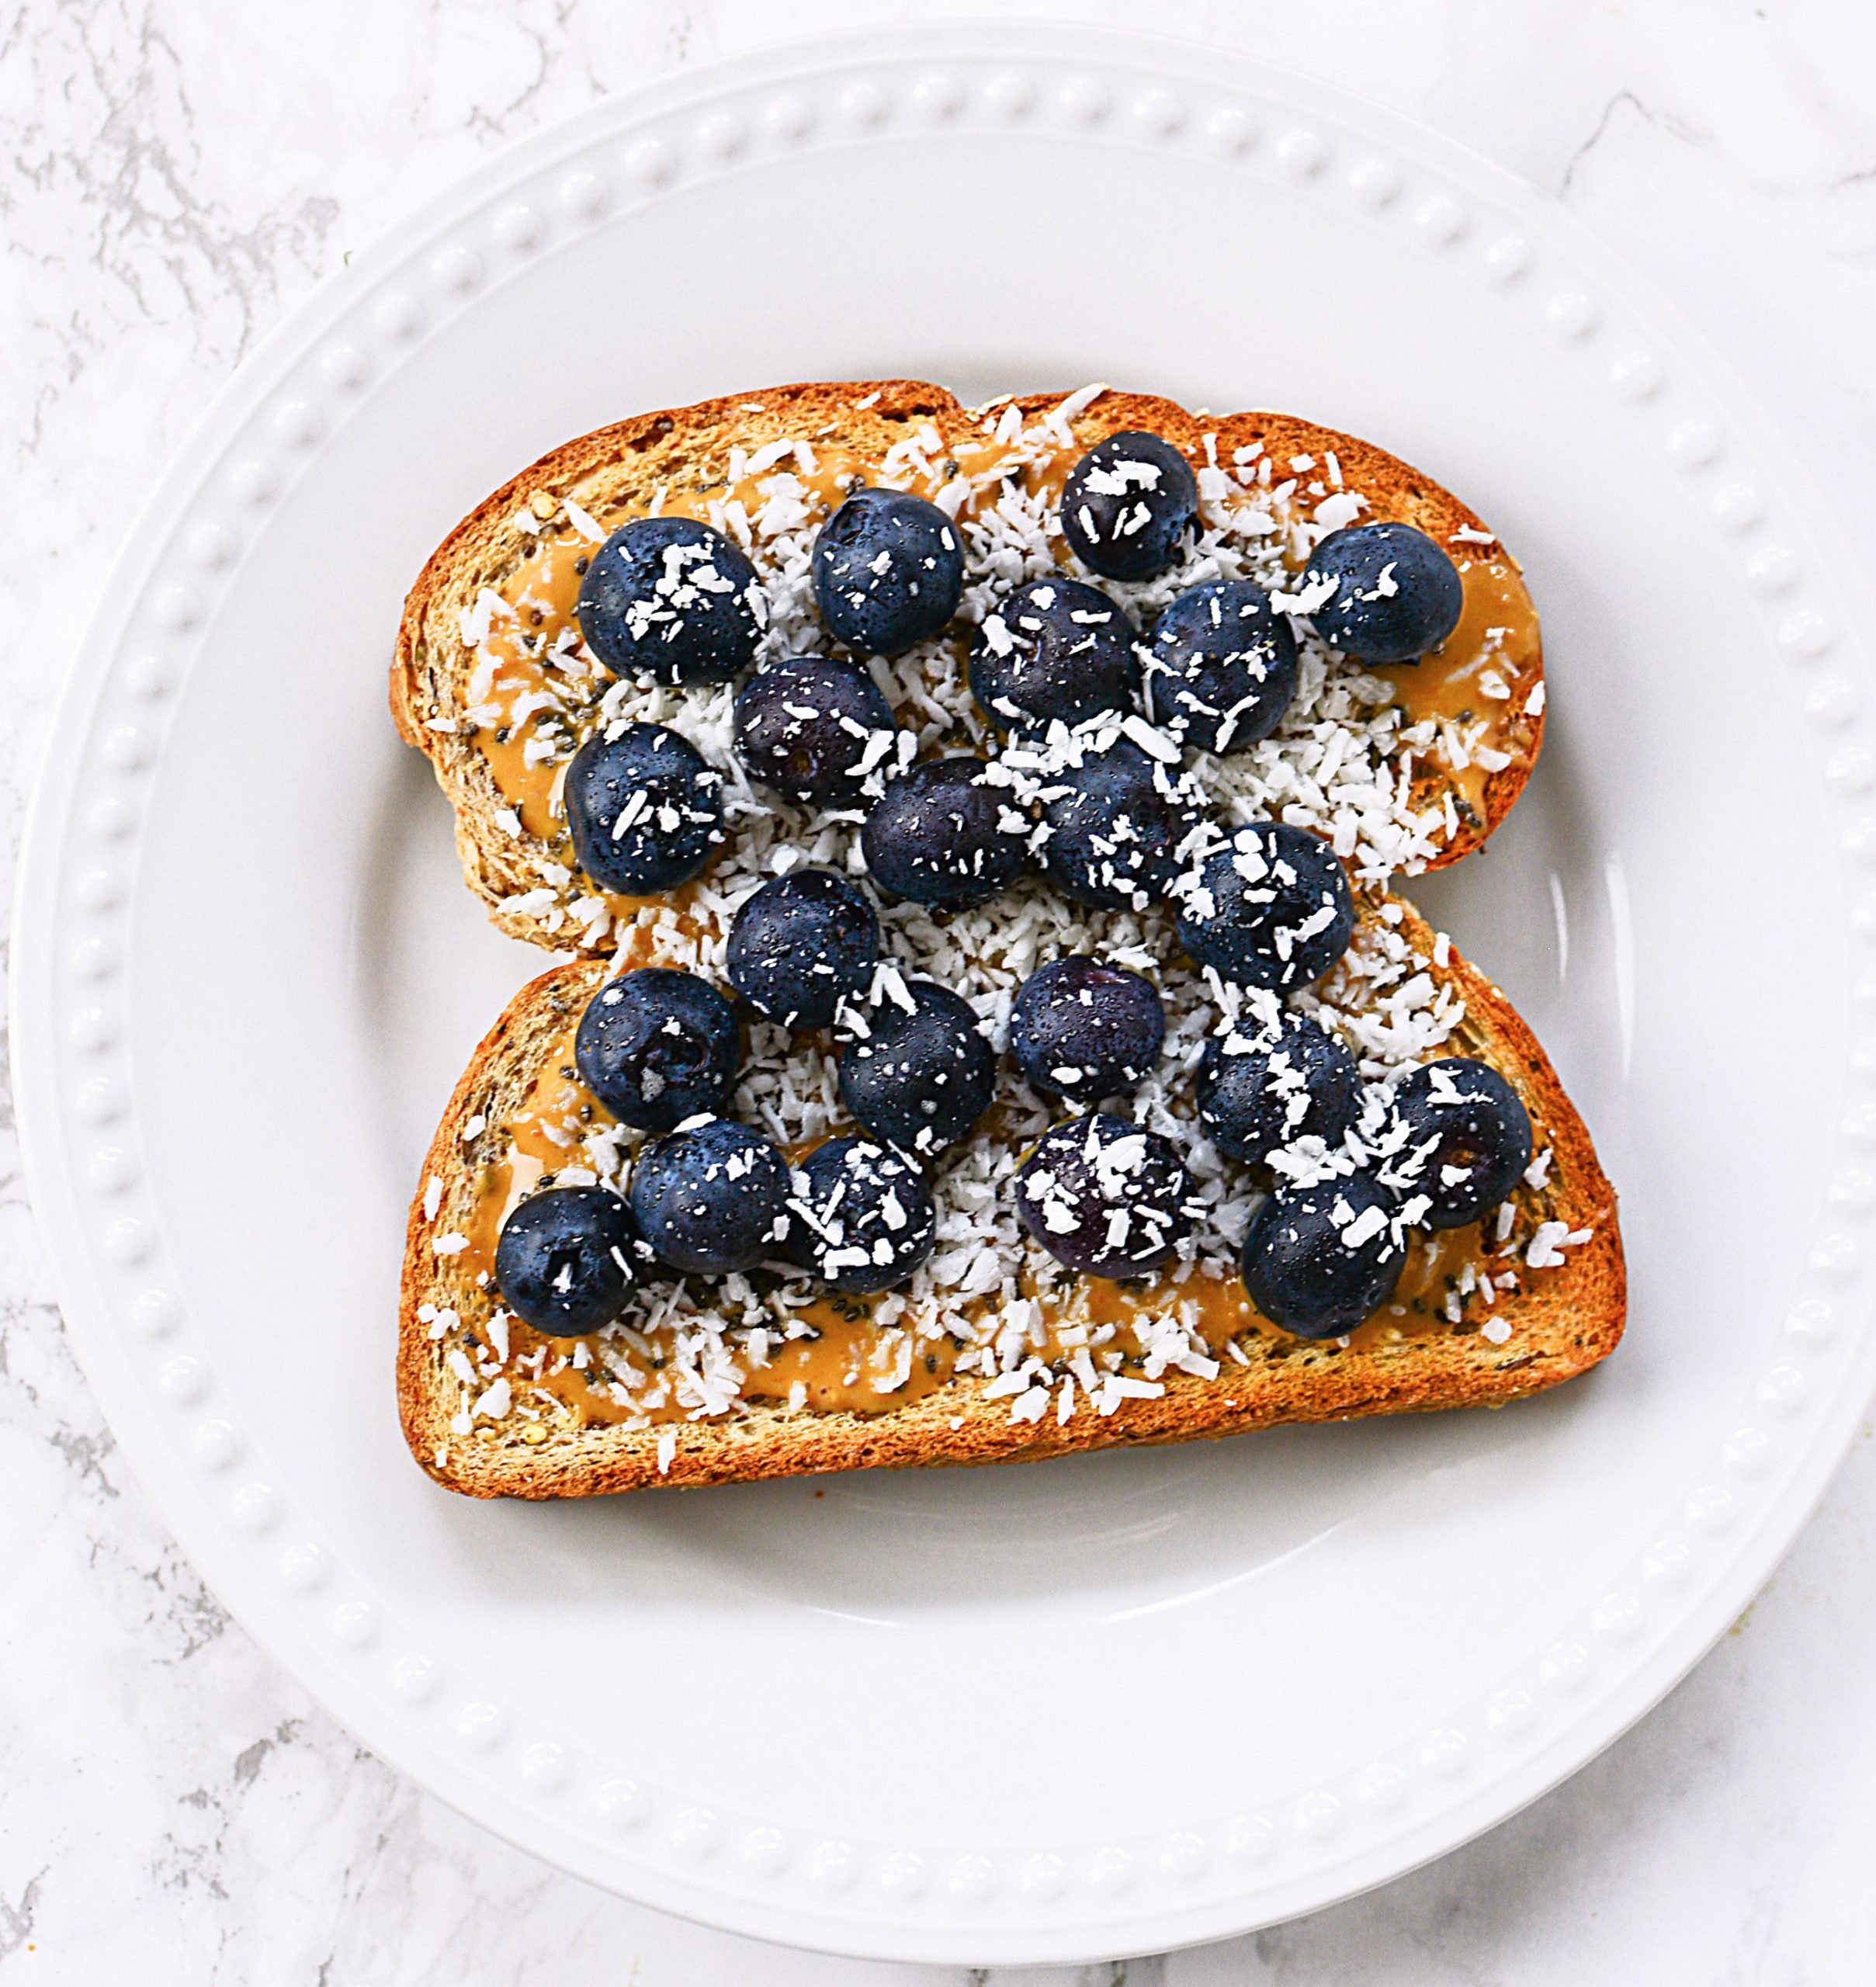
[1564, 1320]
[615, 472]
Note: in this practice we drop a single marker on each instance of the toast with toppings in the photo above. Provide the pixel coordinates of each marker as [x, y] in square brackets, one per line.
[1404, 767]
[988, 1347]
[765, 1376]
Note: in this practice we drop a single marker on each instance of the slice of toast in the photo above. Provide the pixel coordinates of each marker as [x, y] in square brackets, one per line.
[1503, 1310]
[1403, 768]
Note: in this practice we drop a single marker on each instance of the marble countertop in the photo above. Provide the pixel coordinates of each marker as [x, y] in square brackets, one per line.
[176, 174]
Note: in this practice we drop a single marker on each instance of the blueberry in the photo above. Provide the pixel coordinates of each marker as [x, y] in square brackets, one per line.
[1083, 1030]
[1119, 823]
[812, 727]
[711, 1196]
[888, 571]
[1221, 667]
[1303, 1270]
[1129, 505]
[801, 944]
[668, 600]
[567, 1258]
[1467, 1139]
[946, 831]
[1103, 1196]
[646, 810]
[919, 1073]
[1054, 650]
[1271, 908]
[1261, 1088]
[1397, 594]
[657, 1046]
[863, 1219]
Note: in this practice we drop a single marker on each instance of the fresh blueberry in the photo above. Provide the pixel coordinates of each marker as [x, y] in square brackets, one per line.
[1397, 595]
[1261, 1088]
[711, 1196]
[1271, 907]
[1467, 1139]
[1129, 505]
[1083, 1030]
[804, 941]
[567, 1258]
[1221, 667]
[1103, 1196]
[657, 1046]
[888, 571]
[1119, 823]
[668, 600]
[918, 1072]
[1318, 1259]
[646, 810]
[863, 1217]
[947, 832]
[812, 728]
[1054, 650]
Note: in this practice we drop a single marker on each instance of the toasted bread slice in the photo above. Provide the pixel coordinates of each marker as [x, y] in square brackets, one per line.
[1418, 763]
[491, 1411]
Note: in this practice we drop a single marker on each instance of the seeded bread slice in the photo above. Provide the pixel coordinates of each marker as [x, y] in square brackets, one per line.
[1562, 1320]
[615, 473]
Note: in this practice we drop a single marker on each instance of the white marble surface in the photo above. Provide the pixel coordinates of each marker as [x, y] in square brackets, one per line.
[175, 175]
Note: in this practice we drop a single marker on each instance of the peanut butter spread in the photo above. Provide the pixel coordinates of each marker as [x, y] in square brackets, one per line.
[1468, 692]
[1392, 765]
[838, 1359]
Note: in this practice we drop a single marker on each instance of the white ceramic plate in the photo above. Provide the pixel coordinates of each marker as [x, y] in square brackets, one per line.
[1104, 1705]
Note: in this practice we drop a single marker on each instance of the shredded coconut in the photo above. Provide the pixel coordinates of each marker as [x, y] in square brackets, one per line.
[1344, 763]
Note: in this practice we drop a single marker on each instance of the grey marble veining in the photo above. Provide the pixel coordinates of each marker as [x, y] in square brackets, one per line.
[177, 174]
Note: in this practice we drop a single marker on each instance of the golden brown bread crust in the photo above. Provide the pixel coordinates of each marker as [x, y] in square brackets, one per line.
[1565, 1320]
[615, 471]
